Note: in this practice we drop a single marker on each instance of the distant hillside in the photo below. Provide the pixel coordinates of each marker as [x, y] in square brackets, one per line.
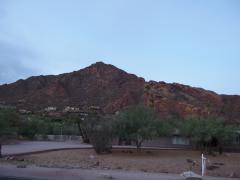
[112, 89]
[177, 100]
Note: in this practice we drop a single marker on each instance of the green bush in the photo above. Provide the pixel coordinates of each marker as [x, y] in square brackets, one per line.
[29, 129]
[101, 137]
[9, 122]
[99, 131]
[32, 125]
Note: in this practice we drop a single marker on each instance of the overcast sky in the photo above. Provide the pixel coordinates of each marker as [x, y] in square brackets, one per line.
[191, 42]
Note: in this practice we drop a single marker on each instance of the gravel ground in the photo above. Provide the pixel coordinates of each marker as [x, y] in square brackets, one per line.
[40, 173]
[161, 161]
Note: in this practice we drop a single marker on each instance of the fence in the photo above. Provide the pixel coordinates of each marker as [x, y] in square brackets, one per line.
[57, 138]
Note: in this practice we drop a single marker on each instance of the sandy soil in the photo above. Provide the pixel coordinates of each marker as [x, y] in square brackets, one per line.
[164, 161]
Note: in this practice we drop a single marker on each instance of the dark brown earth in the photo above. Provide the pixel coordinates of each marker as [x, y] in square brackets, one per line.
[112, 89]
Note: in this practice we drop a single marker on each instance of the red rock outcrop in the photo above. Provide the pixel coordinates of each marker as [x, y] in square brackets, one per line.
[181, 101]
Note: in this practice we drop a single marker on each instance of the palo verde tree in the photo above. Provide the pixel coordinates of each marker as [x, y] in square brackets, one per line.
[137, 124]
[207, 133]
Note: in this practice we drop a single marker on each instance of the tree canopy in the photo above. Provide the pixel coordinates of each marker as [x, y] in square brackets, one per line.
[206, 133]
[9, 122]
[137, 124]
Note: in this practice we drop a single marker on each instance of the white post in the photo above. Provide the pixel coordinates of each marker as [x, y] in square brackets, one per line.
[203, 165]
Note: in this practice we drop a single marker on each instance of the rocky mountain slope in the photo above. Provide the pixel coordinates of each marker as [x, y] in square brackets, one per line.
[112, 89]
[97, 85]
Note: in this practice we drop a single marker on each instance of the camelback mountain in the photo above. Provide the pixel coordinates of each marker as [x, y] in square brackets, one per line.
[113, 89]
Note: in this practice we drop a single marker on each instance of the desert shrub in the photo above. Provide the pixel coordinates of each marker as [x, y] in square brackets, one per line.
[99, 131]
[101, 138]
[32, 125]
[28, 129]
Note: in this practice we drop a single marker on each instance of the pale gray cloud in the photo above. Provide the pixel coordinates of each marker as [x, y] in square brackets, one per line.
[14, 58]
[13, 63]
